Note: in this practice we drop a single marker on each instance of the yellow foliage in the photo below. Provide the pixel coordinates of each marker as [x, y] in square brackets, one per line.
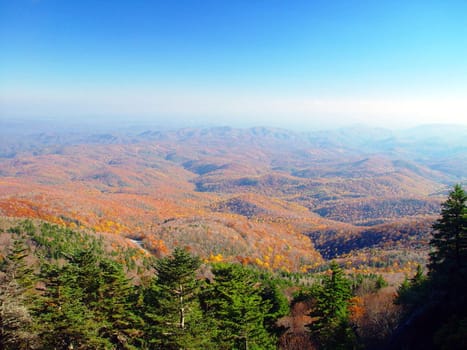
[216, 258]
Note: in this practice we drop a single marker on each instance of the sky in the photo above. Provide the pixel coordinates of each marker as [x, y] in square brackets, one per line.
[254, 62]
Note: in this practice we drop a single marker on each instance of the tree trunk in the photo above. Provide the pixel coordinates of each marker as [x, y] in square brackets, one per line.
[182, 309]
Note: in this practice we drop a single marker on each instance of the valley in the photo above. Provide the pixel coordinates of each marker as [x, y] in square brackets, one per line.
[274, 198]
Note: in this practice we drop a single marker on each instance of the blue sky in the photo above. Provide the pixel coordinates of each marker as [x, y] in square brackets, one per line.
[283, 63]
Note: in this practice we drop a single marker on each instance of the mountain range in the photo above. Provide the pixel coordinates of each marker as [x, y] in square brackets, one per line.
[271, 197]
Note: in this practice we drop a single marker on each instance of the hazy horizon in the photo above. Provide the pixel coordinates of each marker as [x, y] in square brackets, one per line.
[89, 126]
[296, 65]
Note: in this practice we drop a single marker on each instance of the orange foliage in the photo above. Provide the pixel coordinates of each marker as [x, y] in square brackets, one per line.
[207, 190]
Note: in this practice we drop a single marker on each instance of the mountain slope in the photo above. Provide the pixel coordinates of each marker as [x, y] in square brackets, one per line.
[247, 194]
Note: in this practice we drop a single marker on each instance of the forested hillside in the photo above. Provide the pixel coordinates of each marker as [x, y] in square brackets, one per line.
[64, 289]
[233, 175]
[69, 289]
[249, 195]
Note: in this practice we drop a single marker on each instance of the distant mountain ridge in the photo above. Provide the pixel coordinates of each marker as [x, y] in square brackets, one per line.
[262, 188]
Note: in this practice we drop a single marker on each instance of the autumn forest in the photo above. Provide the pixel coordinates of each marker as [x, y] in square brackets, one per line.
[224, 238]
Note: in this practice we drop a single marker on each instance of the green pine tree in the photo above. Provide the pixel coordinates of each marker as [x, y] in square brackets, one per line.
[234, 301]
[449, 243]
[122, 327]
[448, 270]
[331, 328]
[16, 295]
[173, 314]
[279, 306]
[106, 293]
[439, 302]
[17, 268]
[412, 293]
[65, 321]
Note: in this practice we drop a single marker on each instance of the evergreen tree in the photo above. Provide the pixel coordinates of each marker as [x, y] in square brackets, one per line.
[17, 267]
[173, 315]
[413, 292]
[234, 301]
[65, 321]
[16, 295]
[121, 326]
[448, 270]
[449, 257]
[278, 306]
[85, 303]
[436, 306]
[331, 328]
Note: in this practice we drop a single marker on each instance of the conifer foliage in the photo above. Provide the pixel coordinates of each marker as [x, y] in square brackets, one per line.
[173, 313]
[73, 294]
[437, 304]
[331, 327]
[235, 304]
[16, 322]
[449, 241]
